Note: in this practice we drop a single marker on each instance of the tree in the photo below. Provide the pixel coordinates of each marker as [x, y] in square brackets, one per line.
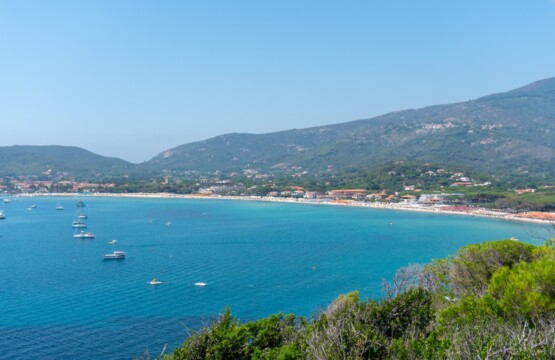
[526, 290]
[471, 269]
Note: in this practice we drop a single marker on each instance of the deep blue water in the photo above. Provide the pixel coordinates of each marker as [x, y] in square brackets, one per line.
[60, 300]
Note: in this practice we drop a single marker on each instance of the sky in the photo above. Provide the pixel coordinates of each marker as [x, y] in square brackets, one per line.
[132, 78]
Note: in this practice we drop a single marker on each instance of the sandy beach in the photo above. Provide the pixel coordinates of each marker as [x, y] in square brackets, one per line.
[533, 217]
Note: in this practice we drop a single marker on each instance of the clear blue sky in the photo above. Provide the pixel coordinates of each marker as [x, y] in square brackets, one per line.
[134, 78]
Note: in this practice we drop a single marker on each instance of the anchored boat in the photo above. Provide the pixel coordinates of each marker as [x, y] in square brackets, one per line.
[84, 235]
[116, 255]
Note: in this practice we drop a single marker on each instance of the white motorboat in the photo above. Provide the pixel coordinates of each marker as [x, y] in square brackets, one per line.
[200, 284]
[2, 215]
[84, 235]
[112, 242]
[116, 255]
[154, 281]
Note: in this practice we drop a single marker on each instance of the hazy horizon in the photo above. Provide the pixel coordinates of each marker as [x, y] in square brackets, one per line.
[132, 79]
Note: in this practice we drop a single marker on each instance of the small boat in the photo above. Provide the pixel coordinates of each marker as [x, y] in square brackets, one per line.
[116, 255]
[82, 216]
[34, 206]
[78, 224]
[59, 206]
[2, 215]
[112, 242]
[154, 281]
[84, 235]
[81, 204]
[7, 201]
[200, 284]
[168, 223]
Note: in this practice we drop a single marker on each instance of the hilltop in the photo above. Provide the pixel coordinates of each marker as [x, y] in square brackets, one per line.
[61, 161]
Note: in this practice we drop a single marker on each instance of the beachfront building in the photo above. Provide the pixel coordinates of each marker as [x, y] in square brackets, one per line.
[347, 193]
[310, 195]
[408, 199]
[440, 199]
[236, 189]
[376, 196]
[430, 199]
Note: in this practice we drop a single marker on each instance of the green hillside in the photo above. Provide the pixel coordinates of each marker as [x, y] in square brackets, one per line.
[509, 135]
[40, 160]
[505, 134]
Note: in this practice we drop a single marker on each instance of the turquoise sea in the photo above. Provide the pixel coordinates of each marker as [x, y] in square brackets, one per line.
[60, 300]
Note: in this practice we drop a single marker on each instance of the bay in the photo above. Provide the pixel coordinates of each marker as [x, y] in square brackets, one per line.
[59, 299]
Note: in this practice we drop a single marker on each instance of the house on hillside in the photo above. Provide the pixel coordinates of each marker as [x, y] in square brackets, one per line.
[462, 183]
[524, 191]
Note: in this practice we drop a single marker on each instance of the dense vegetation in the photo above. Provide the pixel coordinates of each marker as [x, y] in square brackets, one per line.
[543, 199]
[490, 300]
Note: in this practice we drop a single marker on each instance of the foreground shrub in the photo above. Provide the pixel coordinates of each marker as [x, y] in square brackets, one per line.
[275, 337]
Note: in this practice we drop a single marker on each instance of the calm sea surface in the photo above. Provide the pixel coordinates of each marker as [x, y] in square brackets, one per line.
[60, 300]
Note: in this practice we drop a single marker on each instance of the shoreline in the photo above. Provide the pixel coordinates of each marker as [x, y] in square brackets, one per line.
[435, 209]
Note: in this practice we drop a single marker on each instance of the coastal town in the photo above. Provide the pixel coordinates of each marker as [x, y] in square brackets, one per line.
[424, 188]
[411, 199]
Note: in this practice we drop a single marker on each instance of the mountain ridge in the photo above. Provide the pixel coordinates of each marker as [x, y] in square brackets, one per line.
[505, 134]
[19, 160]
[509, 133]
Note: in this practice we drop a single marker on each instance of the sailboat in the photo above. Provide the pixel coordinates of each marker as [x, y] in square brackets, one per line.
[78, 224]
[59, 206]
[78, 221]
